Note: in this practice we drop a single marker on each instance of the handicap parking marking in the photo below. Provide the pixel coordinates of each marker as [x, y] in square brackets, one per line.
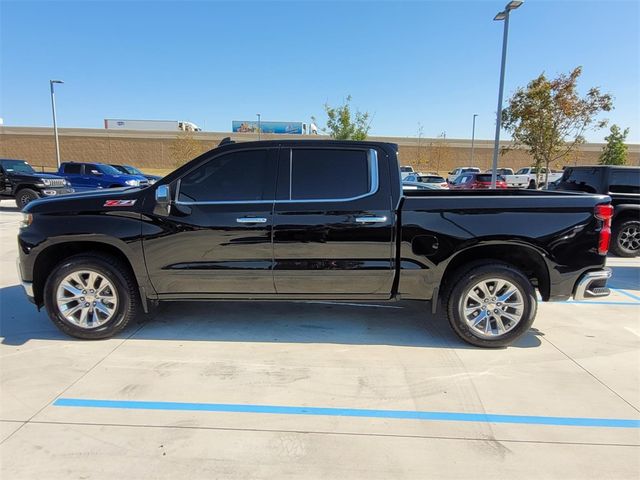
[351, 412]
[626, 293]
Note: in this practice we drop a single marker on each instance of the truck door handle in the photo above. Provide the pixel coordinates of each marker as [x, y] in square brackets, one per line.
[371, 219]
[251, 220]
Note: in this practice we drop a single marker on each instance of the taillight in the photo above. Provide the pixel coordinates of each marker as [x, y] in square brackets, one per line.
[605, 213]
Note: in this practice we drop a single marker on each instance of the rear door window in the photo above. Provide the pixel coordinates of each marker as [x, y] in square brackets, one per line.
[331, 174]
[625, 180]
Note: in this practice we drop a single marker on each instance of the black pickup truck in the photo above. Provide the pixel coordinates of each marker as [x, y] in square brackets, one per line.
[311, 219]
[622, 184]
[18, 180]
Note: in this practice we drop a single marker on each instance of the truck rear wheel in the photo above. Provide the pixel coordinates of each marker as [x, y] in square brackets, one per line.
[24, 196]
[91, 296]
[626, 239]
[491, 304]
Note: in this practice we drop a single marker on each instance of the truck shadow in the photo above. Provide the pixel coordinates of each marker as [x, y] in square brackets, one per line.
[406, 323]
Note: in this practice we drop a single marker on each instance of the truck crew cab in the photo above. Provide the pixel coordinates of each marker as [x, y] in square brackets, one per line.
[18, 180]
[311, 219]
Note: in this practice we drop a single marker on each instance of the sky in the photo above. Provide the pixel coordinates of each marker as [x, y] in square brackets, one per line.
[408, 63]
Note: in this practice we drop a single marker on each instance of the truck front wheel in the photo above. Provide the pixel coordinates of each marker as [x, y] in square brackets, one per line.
[24, 196]
[491, 305]
[91, 296]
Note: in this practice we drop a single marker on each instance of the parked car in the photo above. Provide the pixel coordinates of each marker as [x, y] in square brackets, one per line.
[92, 176]
[475, 181]
[408, 185]
[277, 220]
[501, 171]
[405, 170]
[19, 181]
[622, 184]
[456, 172]
[530, 178]
[129, 170]
[436, 181]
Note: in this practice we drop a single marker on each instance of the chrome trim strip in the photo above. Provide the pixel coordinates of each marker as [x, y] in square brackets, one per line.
[371, 219]
[582, 287]
[290, 172]
[374, 182]
[251, 220]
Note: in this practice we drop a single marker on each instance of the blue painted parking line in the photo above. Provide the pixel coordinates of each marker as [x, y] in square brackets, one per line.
[351, 412]
[596, 302]
[625, 293]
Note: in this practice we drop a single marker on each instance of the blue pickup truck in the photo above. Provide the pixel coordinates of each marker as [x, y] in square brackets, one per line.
[92, 176]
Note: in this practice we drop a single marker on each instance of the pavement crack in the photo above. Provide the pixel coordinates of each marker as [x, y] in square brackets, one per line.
[591, 374]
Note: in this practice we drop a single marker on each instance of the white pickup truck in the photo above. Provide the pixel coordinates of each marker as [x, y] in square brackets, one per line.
[526, 178]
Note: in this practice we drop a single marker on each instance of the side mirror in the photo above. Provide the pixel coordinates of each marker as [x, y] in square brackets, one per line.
[163, 195]
[163, 201]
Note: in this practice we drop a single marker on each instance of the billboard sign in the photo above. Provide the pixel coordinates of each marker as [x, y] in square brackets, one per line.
[290, 128]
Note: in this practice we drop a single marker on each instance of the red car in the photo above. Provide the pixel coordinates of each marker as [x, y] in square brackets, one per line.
[468, 181]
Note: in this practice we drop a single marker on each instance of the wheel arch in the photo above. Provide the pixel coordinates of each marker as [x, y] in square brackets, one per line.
[524, 257]
[56, 253]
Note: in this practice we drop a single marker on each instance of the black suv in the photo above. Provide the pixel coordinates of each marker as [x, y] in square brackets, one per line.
[622, 184]
[20, 181]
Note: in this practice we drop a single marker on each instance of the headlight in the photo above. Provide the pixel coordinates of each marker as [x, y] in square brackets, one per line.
[27, 219]
[46, 181]
[133, 183]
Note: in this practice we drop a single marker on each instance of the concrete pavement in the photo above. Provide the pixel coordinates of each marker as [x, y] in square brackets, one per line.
[579, 360]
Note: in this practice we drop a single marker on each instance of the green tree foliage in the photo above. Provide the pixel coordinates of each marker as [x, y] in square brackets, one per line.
[615, 151]
[550, 117]
[342, 124]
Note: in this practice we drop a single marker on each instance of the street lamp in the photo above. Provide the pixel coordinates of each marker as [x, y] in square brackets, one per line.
[259, 125]
[55, 125]
[501, 16]
[473, 136]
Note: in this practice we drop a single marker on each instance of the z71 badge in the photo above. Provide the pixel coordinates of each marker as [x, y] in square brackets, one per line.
[119, 203]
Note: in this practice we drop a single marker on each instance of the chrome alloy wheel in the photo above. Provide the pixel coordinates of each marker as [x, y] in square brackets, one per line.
[87, 299]
[492, 307]
[630, 238]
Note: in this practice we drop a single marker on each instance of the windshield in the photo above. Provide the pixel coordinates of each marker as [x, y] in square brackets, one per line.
[18, 166]
[108, 170]
[470, 170]
[132, 170]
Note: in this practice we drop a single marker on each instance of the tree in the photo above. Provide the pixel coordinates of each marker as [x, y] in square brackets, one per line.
[421, 157]
[341, 125]
[550, 117]
[615, 151]
[185, 147]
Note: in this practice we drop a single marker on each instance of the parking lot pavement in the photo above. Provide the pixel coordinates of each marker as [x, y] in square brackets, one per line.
[320, 390]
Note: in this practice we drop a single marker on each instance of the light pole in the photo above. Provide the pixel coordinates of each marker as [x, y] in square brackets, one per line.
[55, 125]
[504, 15]
[473, 136]
[259, 125]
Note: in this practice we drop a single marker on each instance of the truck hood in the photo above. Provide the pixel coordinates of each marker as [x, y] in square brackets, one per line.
[89, 201]
[33, 176]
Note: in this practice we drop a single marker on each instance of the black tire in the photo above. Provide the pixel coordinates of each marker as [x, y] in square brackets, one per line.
[625, 241]
[24, 196]
[532, 185]
[110, 268]
[462, 283]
